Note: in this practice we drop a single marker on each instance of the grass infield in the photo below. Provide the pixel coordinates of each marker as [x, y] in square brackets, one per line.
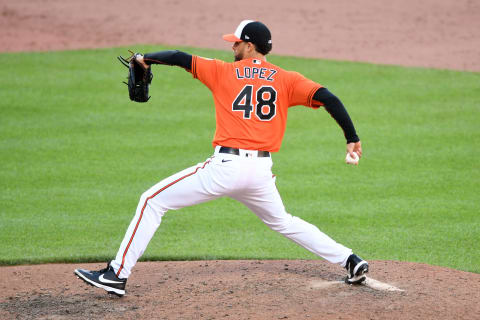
[76, 155]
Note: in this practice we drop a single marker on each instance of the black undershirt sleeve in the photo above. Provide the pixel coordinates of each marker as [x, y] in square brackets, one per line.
[170, 57]
[335, 108]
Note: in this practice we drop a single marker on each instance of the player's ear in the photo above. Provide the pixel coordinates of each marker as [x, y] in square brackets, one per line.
[251, 47]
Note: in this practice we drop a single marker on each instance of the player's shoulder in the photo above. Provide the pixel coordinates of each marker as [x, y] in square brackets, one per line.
[293, 75]
[206, 64]
[209, 60]
[288, 76]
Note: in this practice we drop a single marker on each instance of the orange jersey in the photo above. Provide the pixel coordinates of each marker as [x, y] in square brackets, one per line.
[252, 98]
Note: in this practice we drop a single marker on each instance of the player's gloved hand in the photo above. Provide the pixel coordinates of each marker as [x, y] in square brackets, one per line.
[139, 77]
[141, 61]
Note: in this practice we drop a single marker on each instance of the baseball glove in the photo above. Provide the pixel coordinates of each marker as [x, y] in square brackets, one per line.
[139, 78]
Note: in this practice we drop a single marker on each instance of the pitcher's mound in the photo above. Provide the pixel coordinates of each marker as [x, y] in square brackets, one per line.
[288, 289]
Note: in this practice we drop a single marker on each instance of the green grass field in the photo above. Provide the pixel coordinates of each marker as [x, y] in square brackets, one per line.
[76, 155]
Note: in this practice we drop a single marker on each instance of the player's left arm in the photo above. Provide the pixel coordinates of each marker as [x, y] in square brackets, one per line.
[203, 69]
[168, 57]
[335, 108]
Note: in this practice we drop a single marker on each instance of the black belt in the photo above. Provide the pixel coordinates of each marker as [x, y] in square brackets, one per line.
[235, 151]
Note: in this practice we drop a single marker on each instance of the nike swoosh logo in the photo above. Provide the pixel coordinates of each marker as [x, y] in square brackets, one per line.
[223, 160]
[101, 278]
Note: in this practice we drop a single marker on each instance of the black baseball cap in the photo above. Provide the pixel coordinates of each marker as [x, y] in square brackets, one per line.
[251, 31]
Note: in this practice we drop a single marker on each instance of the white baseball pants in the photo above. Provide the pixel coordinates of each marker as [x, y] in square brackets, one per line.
[246, 178]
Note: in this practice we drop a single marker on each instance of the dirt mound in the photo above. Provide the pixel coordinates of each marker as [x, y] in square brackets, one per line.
[243, 290]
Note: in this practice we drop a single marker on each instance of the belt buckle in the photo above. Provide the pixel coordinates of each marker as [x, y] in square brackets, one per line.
[249, 154]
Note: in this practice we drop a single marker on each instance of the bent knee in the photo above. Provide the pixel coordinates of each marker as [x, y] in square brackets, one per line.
[150, 203]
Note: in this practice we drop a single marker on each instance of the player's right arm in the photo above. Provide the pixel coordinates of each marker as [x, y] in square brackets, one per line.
[335, 108]
[308, 93]
[169, 57]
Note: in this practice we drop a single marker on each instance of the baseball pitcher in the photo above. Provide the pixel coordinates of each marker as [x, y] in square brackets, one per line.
[252, 98]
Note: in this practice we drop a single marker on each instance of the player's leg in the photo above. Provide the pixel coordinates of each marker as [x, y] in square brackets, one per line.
[188, 187]
[194, 185]
[265, 201]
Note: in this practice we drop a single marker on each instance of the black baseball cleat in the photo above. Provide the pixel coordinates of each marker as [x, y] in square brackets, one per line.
[105, 279]
[356, 267]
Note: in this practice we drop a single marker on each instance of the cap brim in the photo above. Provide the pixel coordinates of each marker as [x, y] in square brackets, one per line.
[231, 38]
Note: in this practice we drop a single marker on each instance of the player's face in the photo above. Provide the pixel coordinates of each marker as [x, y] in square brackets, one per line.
[239, 50]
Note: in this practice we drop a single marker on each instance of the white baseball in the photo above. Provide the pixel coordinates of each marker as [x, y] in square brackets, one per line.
[352, 160]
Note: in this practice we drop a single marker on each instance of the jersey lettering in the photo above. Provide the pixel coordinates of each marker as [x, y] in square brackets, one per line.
[243, 101]
[254, 72]
[266, 98]
[265, 108]
[270, 77]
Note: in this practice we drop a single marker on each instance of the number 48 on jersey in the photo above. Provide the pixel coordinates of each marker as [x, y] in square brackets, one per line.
[265, 108]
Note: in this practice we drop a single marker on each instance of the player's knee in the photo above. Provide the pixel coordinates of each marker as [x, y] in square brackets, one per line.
[148, 204]
[143, 198]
